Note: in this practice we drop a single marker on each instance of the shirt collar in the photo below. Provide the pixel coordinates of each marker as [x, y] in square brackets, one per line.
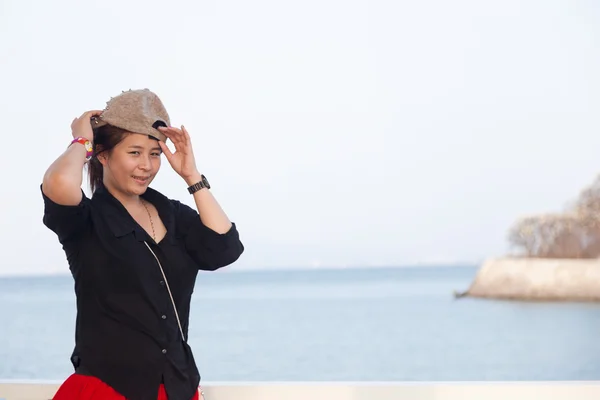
[121, 223]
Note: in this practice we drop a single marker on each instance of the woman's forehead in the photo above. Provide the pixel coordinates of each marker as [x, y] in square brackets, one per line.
[141, 139]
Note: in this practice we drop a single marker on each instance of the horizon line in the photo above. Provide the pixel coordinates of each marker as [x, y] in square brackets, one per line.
[230, 269]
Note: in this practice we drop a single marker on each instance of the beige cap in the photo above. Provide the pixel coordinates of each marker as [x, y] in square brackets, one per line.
[136, 111]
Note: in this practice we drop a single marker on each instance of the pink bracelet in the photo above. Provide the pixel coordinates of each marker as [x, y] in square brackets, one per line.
[87, 144]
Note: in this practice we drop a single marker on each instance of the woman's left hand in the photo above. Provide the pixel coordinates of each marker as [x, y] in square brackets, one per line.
[182, 160]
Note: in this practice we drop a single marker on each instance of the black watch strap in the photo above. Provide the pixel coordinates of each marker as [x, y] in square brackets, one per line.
[199, 185]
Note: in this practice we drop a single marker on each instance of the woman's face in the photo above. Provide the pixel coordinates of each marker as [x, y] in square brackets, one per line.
[132, 164]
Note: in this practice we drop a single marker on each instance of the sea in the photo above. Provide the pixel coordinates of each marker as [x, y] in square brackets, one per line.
[356, 324]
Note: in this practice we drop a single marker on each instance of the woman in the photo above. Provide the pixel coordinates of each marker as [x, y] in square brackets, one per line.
[134, 254]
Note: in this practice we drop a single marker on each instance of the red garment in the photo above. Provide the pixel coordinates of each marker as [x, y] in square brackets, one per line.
[83, 387]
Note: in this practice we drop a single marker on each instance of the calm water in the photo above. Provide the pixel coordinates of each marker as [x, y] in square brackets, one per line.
[362, 324]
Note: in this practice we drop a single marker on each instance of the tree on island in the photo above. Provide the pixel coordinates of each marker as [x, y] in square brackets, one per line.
[574, 233]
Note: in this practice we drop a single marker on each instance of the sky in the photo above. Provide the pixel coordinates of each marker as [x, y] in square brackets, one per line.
[334, 133]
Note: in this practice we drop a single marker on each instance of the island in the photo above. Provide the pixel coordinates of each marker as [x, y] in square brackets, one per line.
[554, 257]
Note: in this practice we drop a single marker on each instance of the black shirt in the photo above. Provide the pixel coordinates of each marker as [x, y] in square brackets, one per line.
[127, 333]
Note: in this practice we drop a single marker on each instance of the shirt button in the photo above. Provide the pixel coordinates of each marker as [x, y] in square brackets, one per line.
[164, 351]
[162, 283]
[164, 317]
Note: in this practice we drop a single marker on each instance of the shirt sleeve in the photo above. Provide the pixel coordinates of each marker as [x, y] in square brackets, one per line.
[209, 249]
[67, 222]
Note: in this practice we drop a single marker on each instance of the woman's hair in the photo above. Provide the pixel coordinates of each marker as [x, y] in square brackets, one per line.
[105, 139]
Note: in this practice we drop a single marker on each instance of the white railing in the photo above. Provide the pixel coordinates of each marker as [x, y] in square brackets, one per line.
[36, 390]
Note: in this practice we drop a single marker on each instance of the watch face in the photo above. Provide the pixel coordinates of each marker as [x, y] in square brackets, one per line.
[205, 182]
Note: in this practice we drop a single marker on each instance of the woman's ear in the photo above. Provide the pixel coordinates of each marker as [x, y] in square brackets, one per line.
[102, 156]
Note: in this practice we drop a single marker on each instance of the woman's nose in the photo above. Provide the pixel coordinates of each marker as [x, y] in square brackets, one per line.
[145, 164]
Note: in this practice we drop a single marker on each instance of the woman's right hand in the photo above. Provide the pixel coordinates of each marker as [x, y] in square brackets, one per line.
[82, 126]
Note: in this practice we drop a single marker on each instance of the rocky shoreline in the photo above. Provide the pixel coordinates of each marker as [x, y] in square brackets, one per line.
[537, 279]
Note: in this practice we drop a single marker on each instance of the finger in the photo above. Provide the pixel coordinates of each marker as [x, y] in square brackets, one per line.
[174, 134]
[91, 113]
[174, 139]
[167, 152]
[186, 134]
[171, 130]
[178, 134]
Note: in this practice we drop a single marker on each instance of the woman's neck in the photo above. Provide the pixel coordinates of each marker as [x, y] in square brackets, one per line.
[128, 201]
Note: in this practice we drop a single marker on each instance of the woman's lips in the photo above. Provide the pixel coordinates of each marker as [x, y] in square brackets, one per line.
[141, 179]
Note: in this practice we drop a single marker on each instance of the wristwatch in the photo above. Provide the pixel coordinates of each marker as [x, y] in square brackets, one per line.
[199, 185]
[87, 144]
